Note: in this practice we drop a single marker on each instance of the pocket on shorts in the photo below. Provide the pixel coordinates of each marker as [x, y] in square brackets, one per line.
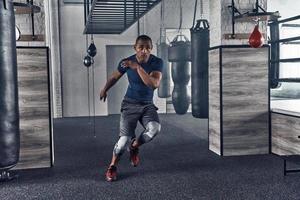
[124, 105]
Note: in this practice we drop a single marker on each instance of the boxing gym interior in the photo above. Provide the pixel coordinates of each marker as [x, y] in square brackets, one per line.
[228, 100]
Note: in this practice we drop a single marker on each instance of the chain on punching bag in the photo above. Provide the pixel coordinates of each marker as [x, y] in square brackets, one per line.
[9, 109]
[200, 46]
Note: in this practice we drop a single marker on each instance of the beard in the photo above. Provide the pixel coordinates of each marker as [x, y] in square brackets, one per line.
[143, 58]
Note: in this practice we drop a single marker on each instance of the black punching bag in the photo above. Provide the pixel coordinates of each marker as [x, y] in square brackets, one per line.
[164, 87]
[275, 54]
[200, 47]
[179, 53]
[181, 96]
[9, 109]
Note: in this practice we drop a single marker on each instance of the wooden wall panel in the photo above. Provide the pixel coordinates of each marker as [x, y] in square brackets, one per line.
[214, 101]
[238, 100]
[285, 132]
[245, 101]
[35, 127]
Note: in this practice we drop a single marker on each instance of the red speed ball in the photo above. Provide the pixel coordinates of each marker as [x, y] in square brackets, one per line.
[256, 39]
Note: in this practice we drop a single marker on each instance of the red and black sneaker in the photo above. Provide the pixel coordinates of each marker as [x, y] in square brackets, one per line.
[111, 173]
[134, 156]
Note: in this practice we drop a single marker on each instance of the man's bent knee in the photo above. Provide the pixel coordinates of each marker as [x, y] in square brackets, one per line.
[152, 129]
[120, 146]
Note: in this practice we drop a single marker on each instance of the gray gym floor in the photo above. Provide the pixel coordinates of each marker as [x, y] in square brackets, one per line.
[177, 165]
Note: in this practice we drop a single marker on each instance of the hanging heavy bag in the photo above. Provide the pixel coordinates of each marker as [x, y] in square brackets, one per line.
[181, 99]
[9, 109]
[179, 49]
[180, 94]
[164, 86]
[200, 47]
[179, 53]
[256, 39]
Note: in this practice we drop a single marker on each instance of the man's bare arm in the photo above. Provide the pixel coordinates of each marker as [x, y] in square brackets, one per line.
[114, 77]
[151, 80]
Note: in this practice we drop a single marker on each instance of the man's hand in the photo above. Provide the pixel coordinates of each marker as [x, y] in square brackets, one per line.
[103, 95]
[130, 64]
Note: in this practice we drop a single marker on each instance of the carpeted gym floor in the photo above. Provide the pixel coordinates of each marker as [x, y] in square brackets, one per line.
[177, 165]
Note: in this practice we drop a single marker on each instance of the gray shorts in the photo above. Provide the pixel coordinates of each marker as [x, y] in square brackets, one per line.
[133, 111]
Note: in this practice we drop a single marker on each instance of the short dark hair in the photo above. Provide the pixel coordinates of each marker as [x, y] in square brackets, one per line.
[144, 38]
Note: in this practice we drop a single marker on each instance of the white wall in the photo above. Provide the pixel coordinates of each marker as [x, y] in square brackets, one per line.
[73, 49]
[286, 8]
[114, 54]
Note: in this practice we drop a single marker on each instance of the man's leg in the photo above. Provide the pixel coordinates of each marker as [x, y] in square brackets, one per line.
[128, 123]
[150, 121]
[119, 149]
[152, 129]
[120, 146]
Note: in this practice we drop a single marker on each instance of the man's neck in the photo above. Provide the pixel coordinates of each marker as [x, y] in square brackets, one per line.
[142, 61]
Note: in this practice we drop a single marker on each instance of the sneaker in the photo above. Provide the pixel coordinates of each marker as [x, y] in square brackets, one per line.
[111, 173]
[134, 156]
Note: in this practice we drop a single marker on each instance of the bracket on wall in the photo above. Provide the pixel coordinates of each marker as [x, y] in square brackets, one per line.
[240, 36]
[258, 13]
[28, 8]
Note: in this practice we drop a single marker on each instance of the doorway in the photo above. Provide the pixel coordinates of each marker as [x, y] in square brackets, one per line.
[114, 54]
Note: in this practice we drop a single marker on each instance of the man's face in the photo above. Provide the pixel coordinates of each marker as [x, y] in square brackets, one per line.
[143, 50]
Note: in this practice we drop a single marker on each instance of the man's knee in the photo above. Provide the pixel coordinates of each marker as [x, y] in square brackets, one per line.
[120, 146]
[152, 129]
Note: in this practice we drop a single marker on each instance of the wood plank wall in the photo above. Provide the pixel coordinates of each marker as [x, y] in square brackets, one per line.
[214, 102]
[285, 132]
[35, 125]
[245, 101]
[241, 121]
